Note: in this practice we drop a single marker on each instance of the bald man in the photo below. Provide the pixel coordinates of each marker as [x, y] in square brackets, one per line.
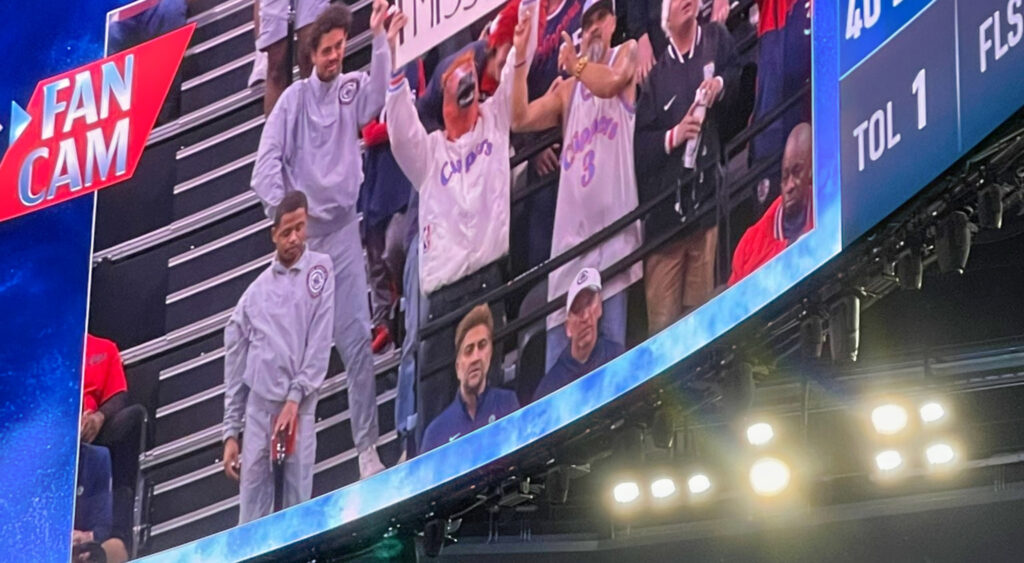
[789, 217]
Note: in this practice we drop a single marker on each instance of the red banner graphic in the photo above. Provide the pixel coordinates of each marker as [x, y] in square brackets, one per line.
[85, 129]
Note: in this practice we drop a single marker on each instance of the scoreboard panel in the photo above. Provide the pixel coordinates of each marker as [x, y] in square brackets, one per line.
[921, 83]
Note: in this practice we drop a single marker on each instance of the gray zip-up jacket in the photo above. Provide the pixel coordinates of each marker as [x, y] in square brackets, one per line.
[278, 341]
[310, 142]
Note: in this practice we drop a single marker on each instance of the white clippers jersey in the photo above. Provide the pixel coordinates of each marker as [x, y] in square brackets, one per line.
[597, 187]
[464, 184]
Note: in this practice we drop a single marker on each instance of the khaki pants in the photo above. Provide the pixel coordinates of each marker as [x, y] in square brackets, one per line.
[679, 276]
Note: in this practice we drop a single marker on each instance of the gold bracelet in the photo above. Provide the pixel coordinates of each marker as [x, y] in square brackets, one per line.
[580, 65]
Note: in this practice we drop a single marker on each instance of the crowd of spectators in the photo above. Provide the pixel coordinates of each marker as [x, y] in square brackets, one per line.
[397, 184]
[640, 94]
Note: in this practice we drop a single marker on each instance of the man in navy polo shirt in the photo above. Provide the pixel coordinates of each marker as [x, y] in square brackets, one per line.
[476, 403]
[588, 349]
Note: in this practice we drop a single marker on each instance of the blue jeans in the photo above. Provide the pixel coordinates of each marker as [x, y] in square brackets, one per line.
[612, 326]
[405, 402]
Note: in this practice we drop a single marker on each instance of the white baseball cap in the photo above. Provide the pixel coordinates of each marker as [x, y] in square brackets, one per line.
[588, 278]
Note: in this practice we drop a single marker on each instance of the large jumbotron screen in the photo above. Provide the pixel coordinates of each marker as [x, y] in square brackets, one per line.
[827, 118]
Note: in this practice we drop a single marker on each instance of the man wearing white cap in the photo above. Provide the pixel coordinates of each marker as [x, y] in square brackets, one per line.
[587, 349]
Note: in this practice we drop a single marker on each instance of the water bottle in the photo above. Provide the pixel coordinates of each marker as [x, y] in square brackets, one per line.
[690, 154]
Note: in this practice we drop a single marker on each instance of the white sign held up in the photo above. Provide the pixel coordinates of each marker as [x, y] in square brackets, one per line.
[433, 21]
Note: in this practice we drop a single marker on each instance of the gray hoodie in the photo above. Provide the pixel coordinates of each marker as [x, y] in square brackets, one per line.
[311, 142]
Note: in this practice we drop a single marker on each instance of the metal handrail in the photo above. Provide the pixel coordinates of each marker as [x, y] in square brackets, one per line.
[737, 143]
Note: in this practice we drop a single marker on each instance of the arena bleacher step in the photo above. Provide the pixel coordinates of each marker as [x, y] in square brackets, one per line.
[220, 184]
[204, 299]
[212, 55]
[201, 263]
[232, 143]
[220, 19]
[214, 217]
[178, 383]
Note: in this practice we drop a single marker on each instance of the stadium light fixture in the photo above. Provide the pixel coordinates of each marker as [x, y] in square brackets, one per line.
[812, 336]
[932, 412]
[760, 434]
[940, 454]
[953, 242]
[990, 207]
[889, 419]
[910, 269]
[626, 492]
[698, 483]
[844, 328]
[769, 476]
[888, 460]
[663, 487]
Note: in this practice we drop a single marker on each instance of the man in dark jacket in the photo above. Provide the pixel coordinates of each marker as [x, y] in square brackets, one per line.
[476, 403]
[588, 349]
[679, 275]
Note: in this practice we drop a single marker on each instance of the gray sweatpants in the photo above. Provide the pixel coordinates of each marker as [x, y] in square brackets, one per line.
[256, 488]
[352, 328]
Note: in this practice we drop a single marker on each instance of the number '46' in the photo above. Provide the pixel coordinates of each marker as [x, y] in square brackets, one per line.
[863, 14]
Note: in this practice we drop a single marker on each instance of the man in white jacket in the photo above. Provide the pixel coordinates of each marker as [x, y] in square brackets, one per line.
[463, 178]
[311, 143]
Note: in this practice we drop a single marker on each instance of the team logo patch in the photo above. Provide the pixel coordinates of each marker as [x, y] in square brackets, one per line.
[582, 278]
[316, 280]
[348, 91]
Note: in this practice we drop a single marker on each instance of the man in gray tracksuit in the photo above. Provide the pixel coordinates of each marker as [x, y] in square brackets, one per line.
[311, 143]
[277, 346]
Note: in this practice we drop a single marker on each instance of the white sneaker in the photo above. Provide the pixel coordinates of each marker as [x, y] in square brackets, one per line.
[369, 463]
[259, 68]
